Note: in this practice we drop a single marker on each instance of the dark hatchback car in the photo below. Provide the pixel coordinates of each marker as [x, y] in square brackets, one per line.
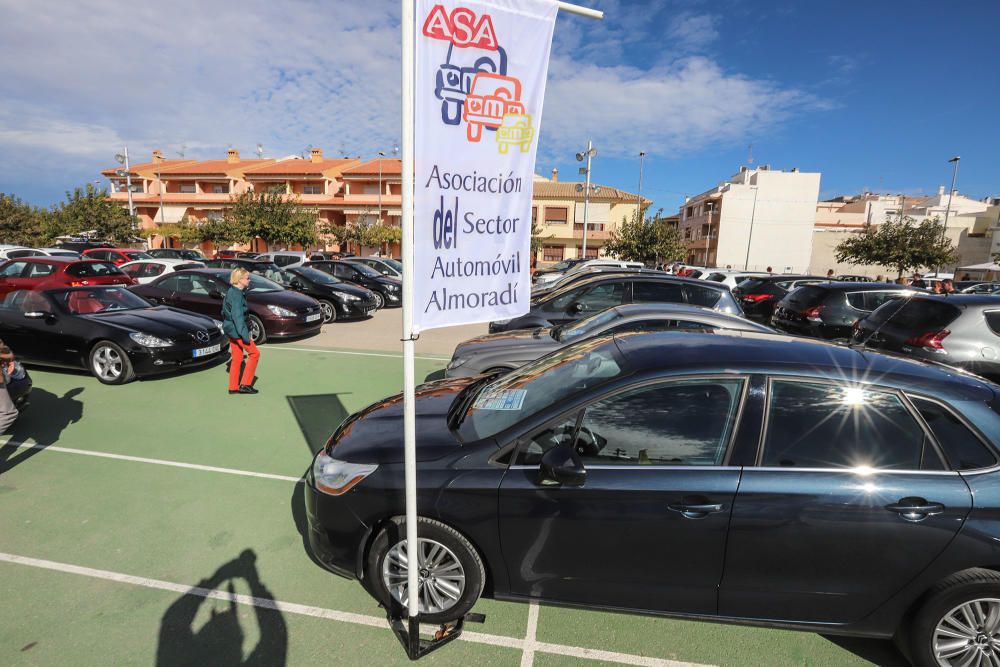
[829, 310]
[584, 298]
[388, 291]
[109, 331]
[274, 311]
[337, 299]
[732, 476]
[961, 330]
[512, 349]
[177, 253]
[758, 296]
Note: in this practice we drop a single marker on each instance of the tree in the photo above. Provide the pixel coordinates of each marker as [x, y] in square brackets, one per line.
[89, 211]
[650, 241]
[25, 224]
[901, 244]
[536, 238]
[272, 216]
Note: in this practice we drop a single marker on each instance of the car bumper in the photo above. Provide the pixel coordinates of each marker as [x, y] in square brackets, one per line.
[151, 361]
[352, 309]
[291, 327]
[393, 299]
[336, 536]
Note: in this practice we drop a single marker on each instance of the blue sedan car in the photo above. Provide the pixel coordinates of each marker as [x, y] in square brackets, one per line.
[733, 476]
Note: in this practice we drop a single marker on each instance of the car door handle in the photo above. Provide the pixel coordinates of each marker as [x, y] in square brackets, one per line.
[915, 509]
[695, 510]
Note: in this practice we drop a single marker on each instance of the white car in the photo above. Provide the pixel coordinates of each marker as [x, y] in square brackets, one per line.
[18, 251]
[548, 278]
[284, 259]
[728, 277]
[60, 252]
[146, 270]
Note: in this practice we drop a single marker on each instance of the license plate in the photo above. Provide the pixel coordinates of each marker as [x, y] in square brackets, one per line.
[204, 351]
[313, 318]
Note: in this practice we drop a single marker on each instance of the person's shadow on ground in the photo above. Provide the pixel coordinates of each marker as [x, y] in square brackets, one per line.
[42, 421]
[219, 642]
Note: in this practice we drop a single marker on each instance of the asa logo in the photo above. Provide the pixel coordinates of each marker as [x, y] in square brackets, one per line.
[461, 28]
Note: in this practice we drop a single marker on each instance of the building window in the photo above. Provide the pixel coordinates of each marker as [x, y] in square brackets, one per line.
[591, 227]
[556, 215]
[187, 188]
[690, 210]
[312, 189]
[534, 214]
[687, 233]
[220, 189]
[591, 251]
[553, 253]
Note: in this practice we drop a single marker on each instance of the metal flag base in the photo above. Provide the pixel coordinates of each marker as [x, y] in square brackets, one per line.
[407, 631]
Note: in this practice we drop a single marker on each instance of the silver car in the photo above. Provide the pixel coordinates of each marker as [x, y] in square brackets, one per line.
[509, 350]
[961, 330]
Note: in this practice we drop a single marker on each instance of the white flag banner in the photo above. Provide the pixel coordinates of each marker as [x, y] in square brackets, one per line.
[481, 68]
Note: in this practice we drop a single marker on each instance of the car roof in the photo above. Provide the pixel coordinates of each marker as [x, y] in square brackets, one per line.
[162, 261]
[639, 310]
[46, 259]
[729, 350]
[849, 286]
[651, 275]
[964, 300]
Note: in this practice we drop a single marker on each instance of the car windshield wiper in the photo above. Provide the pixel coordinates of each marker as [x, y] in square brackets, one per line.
[456, 413]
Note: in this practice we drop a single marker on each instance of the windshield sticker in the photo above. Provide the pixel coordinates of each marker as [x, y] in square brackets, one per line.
[511, 399]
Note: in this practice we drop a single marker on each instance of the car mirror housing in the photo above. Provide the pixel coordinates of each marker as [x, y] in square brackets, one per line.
[577, 307]
[562, 465]
[39, 315]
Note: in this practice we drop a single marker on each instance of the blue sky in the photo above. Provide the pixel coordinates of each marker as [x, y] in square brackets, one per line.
[871, 94]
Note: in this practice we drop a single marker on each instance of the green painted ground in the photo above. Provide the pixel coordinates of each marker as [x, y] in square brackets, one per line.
[181, 526]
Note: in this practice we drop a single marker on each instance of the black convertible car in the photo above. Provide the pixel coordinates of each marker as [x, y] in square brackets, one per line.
[733, 476]
[111, 332]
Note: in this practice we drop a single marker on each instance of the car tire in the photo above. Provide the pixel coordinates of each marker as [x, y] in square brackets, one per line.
[109, 363]
[975, 588]
[257, 333]
[329, 311]
[379, 300]
[446, 599]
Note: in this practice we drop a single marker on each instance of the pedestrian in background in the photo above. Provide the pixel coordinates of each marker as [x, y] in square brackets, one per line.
[879, 278]
[8, 413]
[234, 325]
[917, 281]
[947, 286]
[829, 274]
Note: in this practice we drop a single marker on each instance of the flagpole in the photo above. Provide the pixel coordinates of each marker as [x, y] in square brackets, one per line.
[409, 384]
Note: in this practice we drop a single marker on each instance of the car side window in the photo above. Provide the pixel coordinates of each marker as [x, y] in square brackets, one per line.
[657, 325]
[135, 271]
[812, 425]
[200, 285]
[963, 449]
[702, 296]
[533, 447]
[39, 270]
[657, 292]
[342, 271]
[13, 270]
[687, 422]
[172, 283]
[152, 270]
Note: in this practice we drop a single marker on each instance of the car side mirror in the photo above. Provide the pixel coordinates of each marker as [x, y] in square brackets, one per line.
[562, 466]
[297, 284]
[577, 307]
[39, 315]
[217, 294]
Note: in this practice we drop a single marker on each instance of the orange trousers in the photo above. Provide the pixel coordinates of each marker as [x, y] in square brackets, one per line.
[236, 349]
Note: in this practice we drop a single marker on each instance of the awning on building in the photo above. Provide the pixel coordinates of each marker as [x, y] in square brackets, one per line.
[171, 213]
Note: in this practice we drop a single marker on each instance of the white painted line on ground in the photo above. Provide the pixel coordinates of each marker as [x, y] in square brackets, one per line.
[351, 352]
[159, 462]
[334, 615]
[530, 645]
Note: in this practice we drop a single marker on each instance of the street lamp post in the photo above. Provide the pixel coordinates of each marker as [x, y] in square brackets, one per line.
[123, 159]
[642, 155]
[159, 185]
[951, 195]
[588, 154]
[753, 212]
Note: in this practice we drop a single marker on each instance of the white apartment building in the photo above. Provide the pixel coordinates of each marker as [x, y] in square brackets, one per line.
[760, 217]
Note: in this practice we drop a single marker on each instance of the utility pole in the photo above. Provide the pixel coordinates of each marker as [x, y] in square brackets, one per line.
[159, 180]
[753, 212]
[951, 195]
[642, 155]
[588, 154]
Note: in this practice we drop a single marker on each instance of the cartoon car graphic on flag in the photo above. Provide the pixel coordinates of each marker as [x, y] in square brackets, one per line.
[491, 97]
[453, 81]
[516, 130]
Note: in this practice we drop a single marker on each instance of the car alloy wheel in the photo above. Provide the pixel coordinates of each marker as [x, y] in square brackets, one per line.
[110, 364]
[257, 333]
[441, 577]
[329, 312]
[379, 300]
[969, 634]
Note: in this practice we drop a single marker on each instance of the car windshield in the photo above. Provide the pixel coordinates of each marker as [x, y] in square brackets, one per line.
[365, 270]
[190, 254]
[394, 264]
[317, 276]
[539, 385]
[267, 270]
[90, 269]
[566, 333]
[261, 284]
[134, 256]
[562, 266]
[101, 300]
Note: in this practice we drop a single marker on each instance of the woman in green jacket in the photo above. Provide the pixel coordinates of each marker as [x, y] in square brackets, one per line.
[234, 325]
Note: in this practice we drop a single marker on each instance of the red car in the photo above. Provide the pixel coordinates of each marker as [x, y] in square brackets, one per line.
[116, 255]
[34, 273]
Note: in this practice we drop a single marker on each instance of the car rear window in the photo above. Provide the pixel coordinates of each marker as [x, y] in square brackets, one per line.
[963, 449]
[89, 269]
[925, 314]
[804, 297]
[703, 296]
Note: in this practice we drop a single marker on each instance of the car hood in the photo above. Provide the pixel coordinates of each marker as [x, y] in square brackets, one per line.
[284, 298]
[538, 341]
[345, 288]
[386, 280]
[161, 321]
[375, 434]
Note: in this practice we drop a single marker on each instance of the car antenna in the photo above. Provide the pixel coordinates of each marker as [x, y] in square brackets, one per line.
[906, 302]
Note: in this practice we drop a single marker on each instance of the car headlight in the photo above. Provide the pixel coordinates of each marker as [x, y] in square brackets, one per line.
[281, 312]
[335, 477]
[218, 325]
[392, 288]
[455, 363]
[346, 297]
[148, 341]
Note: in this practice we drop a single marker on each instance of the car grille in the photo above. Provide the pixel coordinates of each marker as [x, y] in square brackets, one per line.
[192, 337]
[309, 310]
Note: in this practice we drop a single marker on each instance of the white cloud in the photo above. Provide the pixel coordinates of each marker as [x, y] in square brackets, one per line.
[80, 79]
